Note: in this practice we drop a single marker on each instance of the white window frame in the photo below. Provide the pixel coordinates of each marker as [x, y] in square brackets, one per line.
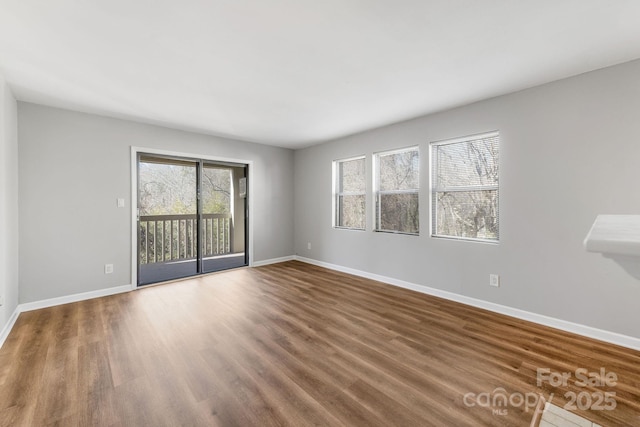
[377, 192]
[337, 193]
[435, 190]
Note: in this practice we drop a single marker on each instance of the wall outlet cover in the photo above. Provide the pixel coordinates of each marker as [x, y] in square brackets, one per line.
[494, 280]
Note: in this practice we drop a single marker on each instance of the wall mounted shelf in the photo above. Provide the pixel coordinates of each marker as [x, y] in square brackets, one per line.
[615, 235]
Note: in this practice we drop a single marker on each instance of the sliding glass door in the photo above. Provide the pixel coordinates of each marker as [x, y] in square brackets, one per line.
[223, 216]
[191, 217]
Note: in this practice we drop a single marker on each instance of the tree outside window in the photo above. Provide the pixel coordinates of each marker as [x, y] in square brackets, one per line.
[350, 193]
[465, 188]
[397, 191]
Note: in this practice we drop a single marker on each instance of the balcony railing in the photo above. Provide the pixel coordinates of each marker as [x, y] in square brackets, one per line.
[171, 238]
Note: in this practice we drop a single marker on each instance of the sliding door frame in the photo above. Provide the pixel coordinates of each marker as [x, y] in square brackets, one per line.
[134, 199]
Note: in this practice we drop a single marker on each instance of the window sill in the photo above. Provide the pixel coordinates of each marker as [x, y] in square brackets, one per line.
[466, 239]
[348, 228]
[396, 232]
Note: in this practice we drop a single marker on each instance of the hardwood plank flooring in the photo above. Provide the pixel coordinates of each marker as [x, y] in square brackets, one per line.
[295, 344]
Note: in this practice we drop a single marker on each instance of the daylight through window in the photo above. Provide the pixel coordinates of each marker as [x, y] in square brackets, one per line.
[464, 193]
[397, 191]
[350, 187]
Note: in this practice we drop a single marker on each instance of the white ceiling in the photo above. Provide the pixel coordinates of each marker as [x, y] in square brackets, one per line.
[297, 72]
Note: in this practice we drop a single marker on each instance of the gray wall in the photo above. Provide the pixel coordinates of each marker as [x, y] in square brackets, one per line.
[8, 203]
[74, 166]
[570, 150]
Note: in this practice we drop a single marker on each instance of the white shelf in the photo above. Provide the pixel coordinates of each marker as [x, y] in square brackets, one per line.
[615, 234]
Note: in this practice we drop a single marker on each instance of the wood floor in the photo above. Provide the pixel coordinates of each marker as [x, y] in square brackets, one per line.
[293, 344]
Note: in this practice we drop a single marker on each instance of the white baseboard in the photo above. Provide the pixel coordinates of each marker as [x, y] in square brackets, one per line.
[73, 298]
[7, 328]
[273, 261]
[576, 328]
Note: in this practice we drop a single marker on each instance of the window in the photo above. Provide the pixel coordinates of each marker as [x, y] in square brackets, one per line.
[397, 187]
[464, 192]
[350, 183]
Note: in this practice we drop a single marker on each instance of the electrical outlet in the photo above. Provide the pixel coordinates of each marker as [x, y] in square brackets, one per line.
[309, 245]
[108, 268]
[1, 299]
[494, 280]
[120, 203]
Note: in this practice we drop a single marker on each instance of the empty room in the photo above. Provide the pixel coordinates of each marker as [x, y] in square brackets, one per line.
[336, 213]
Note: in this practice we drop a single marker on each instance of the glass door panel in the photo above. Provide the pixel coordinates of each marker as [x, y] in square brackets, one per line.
[223, 216]
[168, 219]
